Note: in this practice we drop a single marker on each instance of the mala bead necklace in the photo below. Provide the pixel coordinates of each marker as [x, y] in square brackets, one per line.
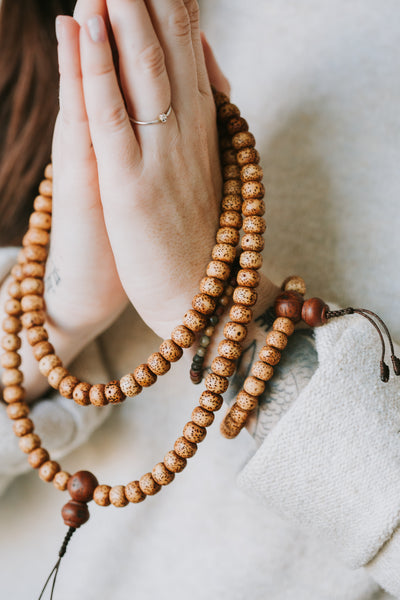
[243, 194]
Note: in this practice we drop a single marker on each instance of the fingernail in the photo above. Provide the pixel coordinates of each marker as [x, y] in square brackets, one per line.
[59, 27]
[96, 29]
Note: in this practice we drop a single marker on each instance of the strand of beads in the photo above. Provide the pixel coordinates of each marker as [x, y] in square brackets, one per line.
[288, 308]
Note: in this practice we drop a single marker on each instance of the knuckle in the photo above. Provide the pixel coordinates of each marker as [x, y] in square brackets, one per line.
[113, 117]
[151, 59]
[101, 69]
[193, 10]
[179, 22]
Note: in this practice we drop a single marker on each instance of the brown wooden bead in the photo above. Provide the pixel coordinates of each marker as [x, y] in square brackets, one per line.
[67, 386]
[252, 190]
[129, 386]
[284, 325]
[235, 331]
[194, 433]
[270, 355]
[246, 156]
[251, 172]
[29, 442]
[32, 302]
[227, 111]
[81, 393]
[250, 260]
[212, 287]
[240, 314]
[243, 139]
[97, 396]
[162, 475]
[56, 375]
[117, 496]
[10, 360]
[113, 392]
[40, 220]
[220, 98]
[232, 186]
[231, 202]
[204, 304]
[231, 172]
[23, 426]
[12, 325]
[245, 295]
[11, 342]
[134, 493]
[33, 318]
[48, 362]
[223, 366]
[173, 462]
[35, 236]
[210, 400]
[254, 224]
[229, 428]
[289, 304]
[41, 203]
[194, 320]
[202, 416]
[35, 253]
[314, 311]
[184, 448]
[46, 188]
[227, 235]
[224, 252]
[148, 485]
[170, 350]
[12, 377]
[216, 383]
[16, 272]
[81, 486]
[158, 364]
[37, 457]
[248, 278]
[236, 124]
[231, 219]
[229, 349]
[75, 513]
[238, 415]
[277, 339]
[60, 480]
[144, 376]
[182, 336]
[32, 285]
[42, 349]
[14, 290]
[253, 207]
[48, 171]
[33, 269]
[262, 370]
[101, 495]
[17, 410]
[228, 157]
[218, 269]
[37, 334]
[254, 386]
[13, 307]
[13, 393]
[294, 283]
[48, 470]
[246, 401]
[252, 242]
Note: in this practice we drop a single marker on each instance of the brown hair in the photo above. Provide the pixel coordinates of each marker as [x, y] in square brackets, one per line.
[28, 105]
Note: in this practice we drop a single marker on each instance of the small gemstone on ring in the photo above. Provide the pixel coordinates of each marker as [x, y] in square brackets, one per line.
[163, 118]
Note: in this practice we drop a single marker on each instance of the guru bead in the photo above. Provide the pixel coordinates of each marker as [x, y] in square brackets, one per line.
[289, 304]
[314, 311]
[75, 513]
[81, 486]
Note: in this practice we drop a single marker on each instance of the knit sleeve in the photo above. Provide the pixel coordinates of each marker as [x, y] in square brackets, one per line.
[331, 464]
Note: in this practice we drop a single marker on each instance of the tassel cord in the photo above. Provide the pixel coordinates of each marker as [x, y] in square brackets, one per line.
[56, 567]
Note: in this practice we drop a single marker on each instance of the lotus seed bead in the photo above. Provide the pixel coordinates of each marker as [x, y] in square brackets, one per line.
[232, 186]
[248, 278]
[184, 448]
[13, 307]
[245, 295]
[158, 364]
[241, 314]
[14, 290]
[253, 207]
[236, 124]
[210, 400]
[254, 386]
[16, 272]
[32, 302]
[10, 360]
[216, 383]
[33, 318]
[231, 202]
[162, 475]
[97, 396]
[270, 355]
[81, 393]
[48, 470]
[223, 366]
[23, 426]
[37, 457]
[13, 393]
[276, 339]
[262, 370]
[284, 325]
[229, 349]
[101, 495]
[29, 442]
[204, 303]
[60, 480]
[235, 331]
[231, 172]
[229, 428]
[228, 235]
[224, 253]
[246, 401]
[134, 493]
[254, 224]
[42, 349]
[117, 496]
[182, 336]
[253, 242]
[194, 433]
[113, 392]
[250, 260]
[148, 485]
[35, 236]
[10, 342]
[41, 220]
[67, 386]
[194, 320]
[170, 350]
[227, 111]
[47, 363]
[56, 375]
[202, 417]
[173, 462]
[32, 285]
[228, 157]
[238, 415]
[233, 220]
[251, 172]
[218, 269]
[242, 140]
[46, 188]
[12, 377]
[220, 98]
[36, 335]
[211, 286]
[33, 269]
[17, 410]
[12, 325]
[42, 204]
[294, 283]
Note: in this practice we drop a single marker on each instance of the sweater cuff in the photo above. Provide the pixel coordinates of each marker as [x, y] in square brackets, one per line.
[332, 463]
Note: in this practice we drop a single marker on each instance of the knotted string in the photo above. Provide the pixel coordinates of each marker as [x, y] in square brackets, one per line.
[56, 567]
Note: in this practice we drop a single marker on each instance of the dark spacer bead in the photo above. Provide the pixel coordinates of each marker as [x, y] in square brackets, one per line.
[289, 304]
[82, 485]
[75, 513]
[197, 367]
[214, 320]
[314, 311]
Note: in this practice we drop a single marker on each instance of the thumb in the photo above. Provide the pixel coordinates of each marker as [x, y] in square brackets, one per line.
[216, 76]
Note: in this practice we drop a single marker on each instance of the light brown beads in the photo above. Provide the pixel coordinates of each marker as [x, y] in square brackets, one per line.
[101, 495]
[67, 386]
[253, 242]
[254, 224]
[246, 401]
[81, 393]
[23, 426]
[182, 336]
[194, 320]
[251, 172]
[241, 314]
[170, 351]
[284, 325]
[204, 304]
[250, 260]
[37, 457]
[129, 386]
[42, 349]
[97, 396]
[144, 376]
[113, 392]
[270, 355]
[47, 363]
[184, 448]
[148, 485]
[29, 442]
[232, 220]
[134, 493]
[216, 383]
[17, 410]
[60, 480]
[210, 400]
[254, 386]
[219, 269]
[202, 417]
[223, 366]
[37, 334]
[48, 470]
[211, 286]
[294, 283]
[10, 342]
[262, 370]
[235, 331]
[117, 496]
[10, 360]
[162, 475]
[229, 349]
[248, 278]
[158, 364]
[56, 375]
[173, 462]
[245, 295]
[277, 339]
[231, 202]
[224, 252]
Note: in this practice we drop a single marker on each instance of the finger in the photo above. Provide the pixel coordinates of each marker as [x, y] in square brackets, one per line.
[217, 78]
[84, 9]
[203, 82]
[110, 128]
[143, 75]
